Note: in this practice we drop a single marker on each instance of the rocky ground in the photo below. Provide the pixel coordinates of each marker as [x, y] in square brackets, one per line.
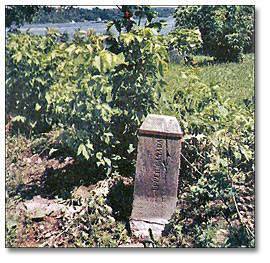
[50, 204]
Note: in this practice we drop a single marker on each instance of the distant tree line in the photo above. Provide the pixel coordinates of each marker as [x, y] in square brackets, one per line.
[164, 11]
[18, 14]
[68, 14]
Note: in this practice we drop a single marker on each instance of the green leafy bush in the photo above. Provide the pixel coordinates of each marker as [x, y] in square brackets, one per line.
[227, 31]
[17, 15]
[127, 22]
[97, 97]
[187, 41]
[29, 72]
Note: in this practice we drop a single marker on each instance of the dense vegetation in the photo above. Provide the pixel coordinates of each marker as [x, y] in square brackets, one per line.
[215, 106]
[72, 112]
[227, 31]
[66, 14]
[18, 15]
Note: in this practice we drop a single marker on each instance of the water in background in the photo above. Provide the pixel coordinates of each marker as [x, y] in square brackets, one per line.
[70, 28]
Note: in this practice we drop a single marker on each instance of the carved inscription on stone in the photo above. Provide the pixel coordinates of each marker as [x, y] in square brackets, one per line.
[157, 170]
[158, 156]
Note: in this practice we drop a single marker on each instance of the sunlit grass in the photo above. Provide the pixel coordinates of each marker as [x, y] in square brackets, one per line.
[235, 79]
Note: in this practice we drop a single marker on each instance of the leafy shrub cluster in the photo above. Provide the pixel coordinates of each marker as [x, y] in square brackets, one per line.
[92, 94]
[187, 41]
[227, 31]
[96, 96]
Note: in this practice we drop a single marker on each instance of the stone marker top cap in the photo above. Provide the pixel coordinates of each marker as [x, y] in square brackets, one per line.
[161, 125]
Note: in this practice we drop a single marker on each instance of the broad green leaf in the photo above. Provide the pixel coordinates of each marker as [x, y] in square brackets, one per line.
[103, 37]
[19, 118]
[71, 48]
[105, 61]
[246, 152]
[131, 148]
[82, 150]
[90, 145]
[48, 98]
[37, 107]
[107, 161]
[90, 49]
[139, 39]
[118, 59]
[237, 155]
[220, 133]
[17, 56]
[97, 63]
[107, 107]
[99, 155]
[128, 38]
[78, 60]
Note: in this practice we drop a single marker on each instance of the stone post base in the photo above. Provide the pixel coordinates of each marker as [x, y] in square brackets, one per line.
[140, 228]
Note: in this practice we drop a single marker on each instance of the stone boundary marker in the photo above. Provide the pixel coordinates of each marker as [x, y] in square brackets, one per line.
[157, 171]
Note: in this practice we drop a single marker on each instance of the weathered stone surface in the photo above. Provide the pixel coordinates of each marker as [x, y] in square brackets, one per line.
[39, 207]
[157, 170]
[136, 245]
[175, 56]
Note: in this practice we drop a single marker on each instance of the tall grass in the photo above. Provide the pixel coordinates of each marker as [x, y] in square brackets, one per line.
[215, 107]
[236, 81]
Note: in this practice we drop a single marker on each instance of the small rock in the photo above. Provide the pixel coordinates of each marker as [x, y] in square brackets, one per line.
[175, 56]
[39, 207]
[83, 191]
